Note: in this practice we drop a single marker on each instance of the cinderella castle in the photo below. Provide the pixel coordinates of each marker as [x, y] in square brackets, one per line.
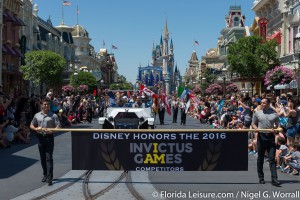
[162, 73]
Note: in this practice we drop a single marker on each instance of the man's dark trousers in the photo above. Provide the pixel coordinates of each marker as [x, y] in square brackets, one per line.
[266, 144]
[46, 146]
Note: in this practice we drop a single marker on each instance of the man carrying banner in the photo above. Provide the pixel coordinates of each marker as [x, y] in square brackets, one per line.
[161, 111]
[266, 119]
[40, 122]
[175, 104]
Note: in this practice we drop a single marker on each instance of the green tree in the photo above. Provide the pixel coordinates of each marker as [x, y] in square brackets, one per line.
[84, 78]
[43, 67]
[251, 57]
[121, 86]
[122, 78]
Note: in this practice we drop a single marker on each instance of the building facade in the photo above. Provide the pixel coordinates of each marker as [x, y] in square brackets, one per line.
[11, 77]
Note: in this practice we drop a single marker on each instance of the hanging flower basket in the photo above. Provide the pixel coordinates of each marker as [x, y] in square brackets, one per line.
[68, 88]
[82, 88]
[214, 89]
[279, 75]
[232, 88]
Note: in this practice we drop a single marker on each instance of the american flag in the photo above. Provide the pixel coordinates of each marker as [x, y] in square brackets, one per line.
[164, 98]
[66, 3]
[114, 47]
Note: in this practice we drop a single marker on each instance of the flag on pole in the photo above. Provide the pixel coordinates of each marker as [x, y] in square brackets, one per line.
[196, 42]
[187, 106]
[103, 44]
[128, 94]
[185, 95]
[114, 47]
[180, 89]
[166, 102]
[77, 11]
[66, 3]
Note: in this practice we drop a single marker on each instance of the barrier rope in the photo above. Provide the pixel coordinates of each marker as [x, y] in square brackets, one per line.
[157, 130]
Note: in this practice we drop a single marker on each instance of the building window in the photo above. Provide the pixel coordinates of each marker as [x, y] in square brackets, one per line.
[236, 21]
[243, 85]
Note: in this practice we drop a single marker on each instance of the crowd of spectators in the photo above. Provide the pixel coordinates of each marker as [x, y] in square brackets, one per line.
[221, 112]
[236, 111]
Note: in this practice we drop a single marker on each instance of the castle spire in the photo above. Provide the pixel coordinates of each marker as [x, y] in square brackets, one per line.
[166, 32]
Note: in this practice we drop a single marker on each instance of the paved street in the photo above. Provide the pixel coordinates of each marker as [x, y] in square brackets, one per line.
[20, 174]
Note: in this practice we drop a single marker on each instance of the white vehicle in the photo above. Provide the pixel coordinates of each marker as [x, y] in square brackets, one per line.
[127, 118]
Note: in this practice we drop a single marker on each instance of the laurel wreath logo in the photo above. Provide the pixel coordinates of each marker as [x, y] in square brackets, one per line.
[212, 156]
[109, 155]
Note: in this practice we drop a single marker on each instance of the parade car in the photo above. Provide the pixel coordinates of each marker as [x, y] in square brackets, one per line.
[127, 118]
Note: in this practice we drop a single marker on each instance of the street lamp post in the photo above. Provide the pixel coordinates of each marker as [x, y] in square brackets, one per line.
[297, 52]
[224, 71]
[75, 76]
[202, 86]
[101, 81]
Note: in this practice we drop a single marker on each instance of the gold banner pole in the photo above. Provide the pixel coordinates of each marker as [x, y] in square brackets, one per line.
[157, 130]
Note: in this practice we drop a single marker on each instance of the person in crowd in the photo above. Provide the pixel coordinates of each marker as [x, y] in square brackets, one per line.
[138, 103]
[291, 125]
[10, 111]
[266, 118]
[175, 104]
[40, 123]
[281, 151]
[54, 105]
[291, 158]
[90, 110]
[3, 140]
[161, 111]
[294, 163]
[182, 107]
[233, 123]
[12, 132]
[4, 103]
[24, 129]
[72, 117]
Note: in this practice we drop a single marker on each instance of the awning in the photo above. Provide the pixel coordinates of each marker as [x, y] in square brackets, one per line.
[276, 36]
[7, 16]
[18, 21]
[4, 49]
[10, 17]
[18, 53]
[9, 50]
[293, 84]
[281, 86]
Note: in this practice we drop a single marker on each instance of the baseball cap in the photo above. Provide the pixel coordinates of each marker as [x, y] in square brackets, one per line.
[258, 100]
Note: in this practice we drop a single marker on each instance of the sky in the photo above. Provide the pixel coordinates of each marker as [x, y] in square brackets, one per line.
[133, 26]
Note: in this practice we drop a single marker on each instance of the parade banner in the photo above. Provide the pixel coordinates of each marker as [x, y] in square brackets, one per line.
[160, 151]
